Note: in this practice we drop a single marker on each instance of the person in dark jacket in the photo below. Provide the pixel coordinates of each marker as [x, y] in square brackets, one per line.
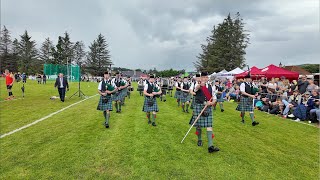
[62, 84]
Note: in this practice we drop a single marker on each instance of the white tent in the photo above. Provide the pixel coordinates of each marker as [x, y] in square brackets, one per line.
[230, 74]
[234, 72]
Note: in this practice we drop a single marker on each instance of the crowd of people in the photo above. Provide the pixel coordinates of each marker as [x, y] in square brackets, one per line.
[297, 99]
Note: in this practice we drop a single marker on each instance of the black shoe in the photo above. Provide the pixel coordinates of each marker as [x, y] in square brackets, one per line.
[187, 111]
[255, 123]
[164, 100]
[154, 124]
[107, 125]
[149, 122]
[222, 110]
[200, 143]
[212, 149]
[242, 121]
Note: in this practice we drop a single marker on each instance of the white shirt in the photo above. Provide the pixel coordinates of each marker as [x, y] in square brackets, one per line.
[144, 82]
[61, 82]
[113, 81]
[146, 86]
[193, 86]
[272, 86]
[243, 87]
[177, 84]
[183, 84]
[100, 84]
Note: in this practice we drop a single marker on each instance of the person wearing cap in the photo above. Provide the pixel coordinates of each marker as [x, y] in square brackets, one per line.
[118, 96]
[170, 88]
[124, 84]
[185, 94]
[205, 95]
[140, 86]
[192, 87]
[151, 90]
[177, 94]
[246, 99]
[220, 90]
[106, 88]
[164, 87]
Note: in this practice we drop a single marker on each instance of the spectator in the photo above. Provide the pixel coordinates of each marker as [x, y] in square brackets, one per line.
[39, 78]
[272, 86]
[294, 102]
[44, 79]
[312, 86]
[24, 78]
[303, 84]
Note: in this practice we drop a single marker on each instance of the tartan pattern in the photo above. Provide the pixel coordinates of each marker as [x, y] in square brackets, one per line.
[124, 92]
[193, 102]
[147, 108]
[118, 96]
[177, 94]
[203, 121]
[184, 97]
[245, 105]
[220, 98]
[104, 106]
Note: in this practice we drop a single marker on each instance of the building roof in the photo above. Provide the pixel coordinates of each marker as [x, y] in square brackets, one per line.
[298, 69]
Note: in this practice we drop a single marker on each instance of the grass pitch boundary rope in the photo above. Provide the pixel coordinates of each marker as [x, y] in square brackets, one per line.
[44, 118]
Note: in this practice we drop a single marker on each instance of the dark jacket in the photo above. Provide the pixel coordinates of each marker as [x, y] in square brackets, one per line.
[64, 83]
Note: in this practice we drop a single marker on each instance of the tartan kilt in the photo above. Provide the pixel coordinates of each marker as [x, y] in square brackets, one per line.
[147, 108]
[104, 106]
[203, 121]
[177, 94]
[125, 92]
[220, 98]
[245, 105]
[117, 96]
[184, 97]
[193, 102]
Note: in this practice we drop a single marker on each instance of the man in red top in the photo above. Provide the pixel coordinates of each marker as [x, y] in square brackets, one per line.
[9, 82]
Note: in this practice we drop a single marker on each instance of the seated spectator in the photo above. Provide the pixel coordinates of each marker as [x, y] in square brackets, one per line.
[293, 102]
[272, 86]
[234, 93]
[312, 86]
[276, 107]
[315, 113]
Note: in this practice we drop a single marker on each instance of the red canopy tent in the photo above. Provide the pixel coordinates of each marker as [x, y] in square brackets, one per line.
[254, 71]
[273, 71]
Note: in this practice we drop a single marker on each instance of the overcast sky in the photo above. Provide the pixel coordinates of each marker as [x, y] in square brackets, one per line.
[167, 34]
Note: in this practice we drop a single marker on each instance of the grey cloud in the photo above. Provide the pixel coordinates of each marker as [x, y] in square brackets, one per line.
[167, 34]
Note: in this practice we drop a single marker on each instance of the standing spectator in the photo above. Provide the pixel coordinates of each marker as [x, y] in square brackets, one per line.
[39, 78]
[62, 84]
[24, 78]
[9, 82]
[44, 79]
[303, 84]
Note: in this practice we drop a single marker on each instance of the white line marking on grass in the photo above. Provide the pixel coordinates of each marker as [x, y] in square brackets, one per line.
[46, 117]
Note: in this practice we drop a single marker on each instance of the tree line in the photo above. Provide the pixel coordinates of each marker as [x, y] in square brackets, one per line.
[22, 55]
[225, 47]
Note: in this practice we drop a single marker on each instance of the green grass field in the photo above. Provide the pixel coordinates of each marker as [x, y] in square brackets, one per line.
[75, 145]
